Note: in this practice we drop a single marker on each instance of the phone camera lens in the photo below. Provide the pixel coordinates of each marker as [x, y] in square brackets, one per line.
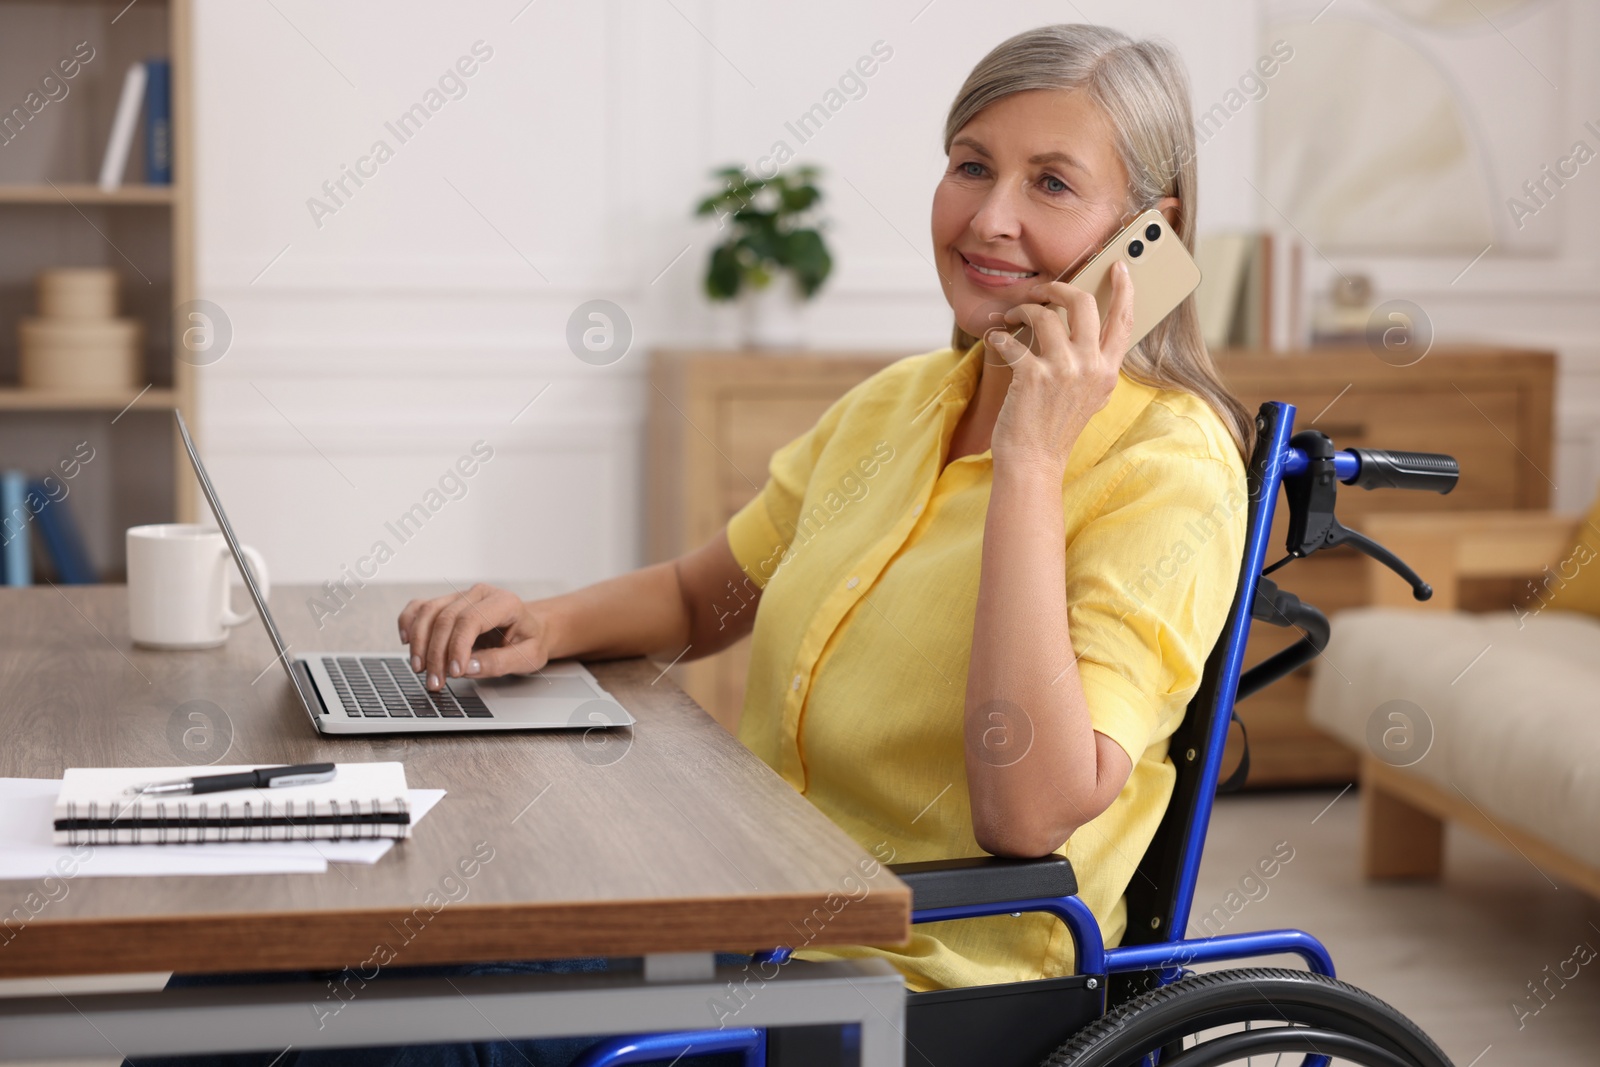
[1152, 232]
[1136, 249]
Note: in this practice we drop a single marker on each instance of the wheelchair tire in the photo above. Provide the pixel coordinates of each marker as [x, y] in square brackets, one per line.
[1298, 1012]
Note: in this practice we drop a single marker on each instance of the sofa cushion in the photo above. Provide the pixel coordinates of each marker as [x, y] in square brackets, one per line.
[1513, 703]
[1572, 583]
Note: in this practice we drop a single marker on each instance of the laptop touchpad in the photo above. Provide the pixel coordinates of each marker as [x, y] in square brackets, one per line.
[534, 687]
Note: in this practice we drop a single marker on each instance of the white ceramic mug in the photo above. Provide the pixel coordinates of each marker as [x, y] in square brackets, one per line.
[178, 593]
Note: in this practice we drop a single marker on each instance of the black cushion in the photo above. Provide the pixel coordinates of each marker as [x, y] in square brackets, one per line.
[985, 880]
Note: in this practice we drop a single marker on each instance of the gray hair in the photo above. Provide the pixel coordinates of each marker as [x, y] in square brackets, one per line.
[1143, 89]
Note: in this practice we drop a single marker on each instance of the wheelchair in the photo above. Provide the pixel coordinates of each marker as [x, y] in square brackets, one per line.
[1138, 1003]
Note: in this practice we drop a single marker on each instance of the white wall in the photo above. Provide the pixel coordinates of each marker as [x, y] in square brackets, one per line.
[1548, 300]
[429, 309]
[373, 349]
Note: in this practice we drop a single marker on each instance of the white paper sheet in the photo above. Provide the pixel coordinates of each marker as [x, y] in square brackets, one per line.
[27, 811]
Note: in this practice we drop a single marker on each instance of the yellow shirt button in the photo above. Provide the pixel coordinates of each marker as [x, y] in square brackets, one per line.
[797, 683]
[852, 583]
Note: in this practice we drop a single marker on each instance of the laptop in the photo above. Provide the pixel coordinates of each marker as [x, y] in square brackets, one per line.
[378, 693]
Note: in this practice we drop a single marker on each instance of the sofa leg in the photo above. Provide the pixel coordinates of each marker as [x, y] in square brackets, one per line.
[1398, 840]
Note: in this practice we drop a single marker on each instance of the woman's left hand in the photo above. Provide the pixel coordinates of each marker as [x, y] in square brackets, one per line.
[1066, 377]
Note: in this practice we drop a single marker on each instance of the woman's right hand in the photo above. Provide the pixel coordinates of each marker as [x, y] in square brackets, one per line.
[482, 633]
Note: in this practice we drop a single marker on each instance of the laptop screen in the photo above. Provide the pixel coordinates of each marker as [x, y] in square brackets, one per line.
[238, 556]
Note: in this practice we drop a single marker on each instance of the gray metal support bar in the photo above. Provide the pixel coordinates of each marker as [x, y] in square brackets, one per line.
[478, 1008]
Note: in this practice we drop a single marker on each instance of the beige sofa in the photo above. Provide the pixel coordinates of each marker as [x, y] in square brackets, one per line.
[1488, 720]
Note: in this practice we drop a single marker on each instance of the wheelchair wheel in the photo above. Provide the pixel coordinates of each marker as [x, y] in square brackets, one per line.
[1230, 1016]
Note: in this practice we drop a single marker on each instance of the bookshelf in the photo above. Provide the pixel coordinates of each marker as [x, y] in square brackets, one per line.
[13, 399]
[85, 193]
[55, 215]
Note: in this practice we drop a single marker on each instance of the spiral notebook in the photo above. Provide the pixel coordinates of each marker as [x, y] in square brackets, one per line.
[364, 800]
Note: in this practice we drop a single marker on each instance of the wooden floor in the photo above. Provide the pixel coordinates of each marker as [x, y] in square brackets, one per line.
[1456, 957]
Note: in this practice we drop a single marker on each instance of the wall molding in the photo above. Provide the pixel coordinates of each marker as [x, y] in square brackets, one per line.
[258, 440]
[1436, 275]
[865, 277]
[506, 360]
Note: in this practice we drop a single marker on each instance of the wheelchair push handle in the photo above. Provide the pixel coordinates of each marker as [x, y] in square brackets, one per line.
[1380, 468]
[1430, 472]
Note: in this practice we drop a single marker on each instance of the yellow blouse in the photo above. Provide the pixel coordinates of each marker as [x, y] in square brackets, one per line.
[868, 555]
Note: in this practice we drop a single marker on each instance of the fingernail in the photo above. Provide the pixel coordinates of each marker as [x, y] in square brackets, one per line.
[404, 639]
[455, 669]
[473, 666]
[416, 663]
[433, 680]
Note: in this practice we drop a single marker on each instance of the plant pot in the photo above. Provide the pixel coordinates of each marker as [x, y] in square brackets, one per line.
[773, 317]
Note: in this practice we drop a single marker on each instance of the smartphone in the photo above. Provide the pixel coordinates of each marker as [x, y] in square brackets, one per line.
[1159, 266]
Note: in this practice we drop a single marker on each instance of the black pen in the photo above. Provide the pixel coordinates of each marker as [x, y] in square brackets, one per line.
[260, 778]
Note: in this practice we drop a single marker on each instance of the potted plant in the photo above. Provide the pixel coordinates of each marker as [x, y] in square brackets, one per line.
[773, 258]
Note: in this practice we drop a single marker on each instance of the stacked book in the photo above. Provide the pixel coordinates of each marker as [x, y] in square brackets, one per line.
[39, 505]
[148, 83]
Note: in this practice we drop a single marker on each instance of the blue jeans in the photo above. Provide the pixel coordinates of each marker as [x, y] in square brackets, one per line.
[531, 1052]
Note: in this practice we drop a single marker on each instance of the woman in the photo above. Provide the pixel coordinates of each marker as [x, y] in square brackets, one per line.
[987, 580]
[982, 588]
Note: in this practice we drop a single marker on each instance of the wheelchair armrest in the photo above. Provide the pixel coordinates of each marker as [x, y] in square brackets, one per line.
[985, 880]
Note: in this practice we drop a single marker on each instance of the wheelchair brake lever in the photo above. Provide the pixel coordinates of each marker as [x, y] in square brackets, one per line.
[1312, 523]
[1339, 534]
[1312, 495]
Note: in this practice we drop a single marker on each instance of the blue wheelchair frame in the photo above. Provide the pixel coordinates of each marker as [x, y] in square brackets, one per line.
[974, 888]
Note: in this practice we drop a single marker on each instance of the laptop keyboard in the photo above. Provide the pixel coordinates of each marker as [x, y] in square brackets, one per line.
[385, 687]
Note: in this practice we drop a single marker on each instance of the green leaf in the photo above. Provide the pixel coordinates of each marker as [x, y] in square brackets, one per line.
[797, 200]
[755, 218]
[807, 255]
[724, 273]
[763, 239]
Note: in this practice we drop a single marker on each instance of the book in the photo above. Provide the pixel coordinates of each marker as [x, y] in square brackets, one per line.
[364, 800]
[1252, 291]
[59, 535]
[122, 127]
[1287, 319]
[1223, 259]
[158, 122]
[16, 563]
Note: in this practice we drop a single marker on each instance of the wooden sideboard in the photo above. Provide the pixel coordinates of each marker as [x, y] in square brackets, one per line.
[716, 416]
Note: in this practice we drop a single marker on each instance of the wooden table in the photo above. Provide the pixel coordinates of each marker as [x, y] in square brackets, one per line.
[670, 841]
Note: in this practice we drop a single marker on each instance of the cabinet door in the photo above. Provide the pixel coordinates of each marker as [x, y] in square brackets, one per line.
[753, 423]
[757, 406]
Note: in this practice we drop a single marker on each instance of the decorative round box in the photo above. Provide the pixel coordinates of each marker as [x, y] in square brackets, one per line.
[78, 293]
[83, 355]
